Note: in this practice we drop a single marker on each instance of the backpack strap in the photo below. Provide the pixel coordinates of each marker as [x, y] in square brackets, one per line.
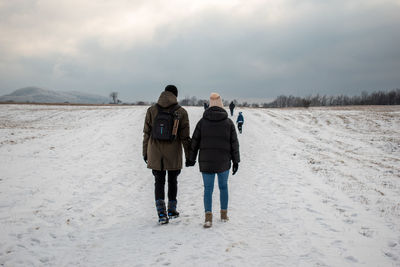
[175, 108]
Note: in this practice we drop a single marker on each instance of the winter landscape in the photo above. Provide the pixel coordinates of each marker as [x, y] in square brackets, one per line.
[315, 187]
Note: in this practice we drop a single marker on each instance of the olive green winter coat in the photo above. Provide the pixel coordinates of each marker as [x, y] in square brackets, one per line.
[166, 155]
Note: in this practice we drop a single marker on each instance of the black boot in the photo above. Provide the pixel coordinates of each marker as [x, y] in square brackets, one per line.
[162, 213]
[172, 213]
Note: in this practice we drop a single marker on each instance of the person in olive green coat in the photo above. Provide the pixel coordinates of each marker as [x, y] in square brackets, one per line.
[166, 156]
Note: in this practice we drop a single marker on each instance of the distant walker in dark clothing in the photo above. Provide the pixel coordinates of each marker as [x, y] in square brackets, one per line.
[240, 121]
[205, 105]
[232, 107]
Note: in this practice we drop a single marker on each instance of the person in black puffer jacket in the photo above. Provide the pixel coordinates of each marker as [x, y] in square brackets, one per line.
[215, 136]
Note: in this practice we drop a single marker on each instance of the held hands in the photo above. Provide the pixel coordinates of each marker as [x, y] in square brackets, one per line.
[235, 168]
[190, 163]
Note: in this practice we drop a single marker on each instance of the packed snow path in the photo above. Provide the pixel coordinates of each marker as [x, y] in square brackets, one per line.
[316, 187]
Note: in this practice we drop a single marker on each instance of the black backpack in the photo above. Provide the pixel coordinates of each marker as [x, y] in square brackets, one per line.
[164, 123]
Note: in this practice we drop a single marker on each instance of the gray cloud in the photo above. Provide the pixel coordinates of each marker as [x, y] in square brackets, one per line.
[250, 49]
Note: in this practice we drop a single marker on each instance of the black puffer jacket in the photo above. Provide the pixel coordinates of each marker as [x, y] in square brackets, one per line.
[215, 136]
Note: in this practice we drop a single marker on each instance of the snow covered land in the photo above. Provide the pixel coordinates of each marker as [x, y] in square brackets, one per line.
[316, 187]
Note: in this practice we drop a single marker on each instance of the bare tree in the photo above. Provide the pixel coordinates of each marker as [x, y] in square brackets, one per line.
[306, 102]
[185, 101]
[114, 96]
[245, 104]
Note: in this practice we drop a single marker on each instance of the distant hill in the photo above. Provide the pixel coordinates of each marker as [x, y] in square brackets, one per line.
[40, 95]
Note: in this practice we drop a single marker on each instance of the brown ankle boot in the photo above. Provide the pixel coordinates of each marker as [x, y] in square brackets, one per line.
[208, 220]
[224, 215]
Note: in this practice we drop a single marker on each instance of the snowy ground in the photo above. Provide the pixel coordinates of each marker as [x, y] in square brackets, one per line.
[316, 187]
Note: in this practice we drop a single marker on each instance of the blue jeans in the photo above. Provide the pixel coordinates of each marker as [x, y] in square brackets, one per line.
[208, 179]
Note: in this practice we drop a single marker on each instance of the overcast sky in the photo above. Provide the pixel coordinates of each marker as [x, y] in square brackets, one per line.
[239, 48]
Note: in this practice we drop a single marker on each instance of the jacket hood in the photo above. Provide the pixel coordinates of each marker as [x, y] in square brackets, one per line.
[167, 99]
[215, 114]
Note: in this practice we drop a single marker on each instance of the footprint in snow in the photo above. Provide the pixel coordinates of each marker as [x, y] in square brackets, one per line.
[44, 260]
[351, 259]
[337, 242]
[365, 231]
[390, 255]
[35, 241]
[348, 221]
[312, 211]
[340, 210]
[161, 259]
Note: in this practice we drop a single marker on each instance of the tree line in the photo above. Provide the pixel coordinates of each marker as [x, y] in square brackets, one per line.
[391, 97]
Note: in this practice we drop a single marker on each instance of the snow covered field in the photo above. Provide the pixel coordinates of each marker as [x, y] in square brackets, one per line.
[316, 187]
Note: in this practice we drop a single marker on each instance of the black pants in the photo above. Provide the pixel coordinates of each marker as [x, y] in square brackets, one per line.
[159, 190]
[240, 124]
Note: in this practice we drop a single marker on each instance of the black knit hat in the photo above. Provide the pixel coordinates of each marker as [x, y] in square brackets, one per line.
[172, 89]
